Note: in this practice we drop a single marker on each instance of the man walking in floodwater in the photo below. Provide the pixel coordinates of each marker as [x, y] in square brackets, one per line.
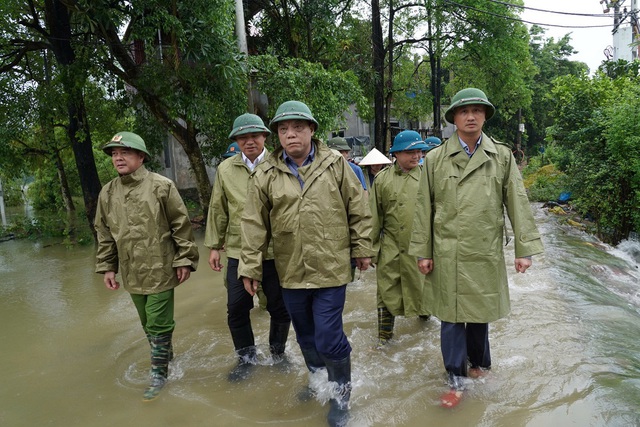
[223, 231]
[393, 194]
[466, 185]
[144, 232]
[307, 200]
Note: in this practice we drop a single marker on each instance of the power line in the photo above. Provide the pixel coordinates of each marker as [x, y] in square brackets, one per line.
[591, 15]
[510, 18]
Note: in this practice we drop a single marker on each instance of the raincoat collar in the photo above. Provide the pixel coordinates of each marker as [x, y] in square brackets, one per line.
[136, 177]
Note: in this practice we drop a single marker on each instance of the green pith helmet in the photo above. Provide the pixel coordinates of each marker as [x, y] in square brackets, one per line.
[469, 96]
[128, 140]
[292, 110]
[338, 143]
[248, 123]
[407, 140]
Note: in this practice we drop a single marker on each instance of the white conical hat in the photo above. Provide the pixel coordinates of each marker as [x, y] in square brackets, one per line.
[374, 157]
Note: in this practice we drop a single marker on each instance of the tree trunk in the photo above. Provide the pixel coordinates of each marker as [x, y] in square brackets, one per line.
[58, 22]
[378, 67]
[186, 135]
[389, 81]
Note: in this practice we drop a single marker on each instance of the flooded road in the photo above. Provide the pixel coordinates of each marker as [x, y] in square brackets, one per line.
[74, 353]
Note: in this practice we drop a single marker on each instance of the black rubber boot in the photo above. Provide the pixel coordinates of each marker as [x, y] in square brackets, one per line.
[314, 362]
[246, 350]
[386, 322]
[339, 371]
[278, 334]
[160, 348]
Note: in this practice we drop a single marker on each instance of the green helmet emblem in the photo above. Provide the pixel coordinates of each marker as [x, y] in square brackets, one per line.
[469, 96]
[248, 123]
[128, 140]
[292, 110]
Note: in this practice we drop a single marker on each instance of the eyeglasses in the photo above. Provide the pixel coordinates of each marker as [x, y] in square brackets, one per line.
[297, 128]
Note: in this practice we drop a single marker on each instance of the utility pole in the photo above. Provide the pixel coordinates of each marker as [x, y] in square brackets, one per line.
[242, 47]
[4, 217]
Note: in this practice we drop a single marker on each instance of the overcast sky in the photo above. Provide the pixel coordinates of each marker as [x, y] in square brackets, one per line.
[589, 42]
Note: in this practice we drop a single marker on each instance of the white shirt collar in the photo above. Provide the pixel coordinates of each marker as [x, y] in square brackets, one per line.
[252, 165]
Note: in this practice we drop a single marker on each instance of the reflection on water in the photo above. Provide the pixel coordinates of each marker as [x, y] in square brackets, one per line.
[74, 353]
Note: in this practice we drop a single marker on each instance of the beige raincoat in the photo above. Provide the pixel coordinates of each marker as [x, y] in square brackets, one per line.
[144, 232]
[315, 229]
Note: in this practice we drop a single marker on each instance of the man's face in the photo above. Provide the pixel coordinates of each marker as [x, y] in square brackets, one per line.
[408, 159]
[469, 119]
[345, 154]
[126, 160]
[295, 138]
[251, 144]
[376, 168]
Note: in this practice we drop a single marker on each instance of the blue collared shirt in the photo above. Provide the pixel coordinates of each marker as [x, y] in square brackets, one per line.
[466, 147]
[293, 166]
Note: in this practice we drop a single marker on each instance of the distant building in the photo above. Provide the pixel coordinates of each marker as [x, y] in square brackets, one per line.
[626, 30]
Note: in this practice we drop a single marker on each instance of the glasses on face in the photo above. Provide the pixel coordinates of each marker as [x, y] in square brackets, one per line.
[297, 127]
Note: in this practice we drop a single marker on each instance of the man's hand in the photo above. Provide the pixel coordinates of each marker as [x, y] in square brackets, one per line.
[250, 285]
[522, 264]
[425, 265]
[183, 273]
[363, 263]
[214, 260]
[110, 280]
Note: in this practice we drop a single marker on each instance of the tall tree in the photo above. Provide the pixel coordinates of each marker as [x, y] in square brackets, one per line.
[597, 128]
[551, 59]
[180, 61]
[40, 27]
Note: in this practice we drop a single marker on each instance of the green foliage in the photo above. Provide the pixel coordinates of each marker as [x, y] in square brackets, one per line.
[551, 60]
[412, 99]
[328, 93]
[543, 183]
[597, 127]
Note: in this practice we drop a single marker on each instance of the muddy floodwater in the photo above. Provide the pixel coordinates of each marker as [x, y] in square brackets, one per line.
[73, 353]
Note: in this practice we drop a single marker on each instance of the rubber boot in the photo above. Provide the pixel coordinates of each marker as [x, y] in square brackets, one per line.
[170, 348]
[314, 363]
[246, 350]
[278, 334]
[160, 347]
[339, 371]
[386, 322]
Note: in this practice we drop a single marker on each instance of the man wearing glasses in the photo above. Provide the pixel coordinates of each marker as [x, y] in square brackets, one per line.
[306, 199]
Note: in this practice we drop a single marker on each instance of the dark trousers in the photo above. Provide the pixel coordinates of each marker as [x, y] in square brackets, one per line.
[240, 302]
[316, 315]
[463, 343]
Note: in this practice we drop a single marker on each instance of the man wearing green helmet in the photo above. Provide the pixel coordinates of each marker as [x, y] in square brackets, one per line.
[468, 183]
[223, 231]
[144, 232]
[309, 202]
[393, 195]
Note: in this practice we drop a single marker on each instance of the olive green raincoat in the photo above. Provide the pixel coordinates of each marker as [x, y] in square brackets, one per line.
[393, 200]
[459, 223]
[144, 231]
[225, 208]
[315, 229]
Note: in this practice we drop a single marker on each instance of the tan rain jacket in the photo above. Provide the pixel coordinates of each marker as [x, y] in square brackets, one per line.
[144, 232]
[225, 208]
[315, 229]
